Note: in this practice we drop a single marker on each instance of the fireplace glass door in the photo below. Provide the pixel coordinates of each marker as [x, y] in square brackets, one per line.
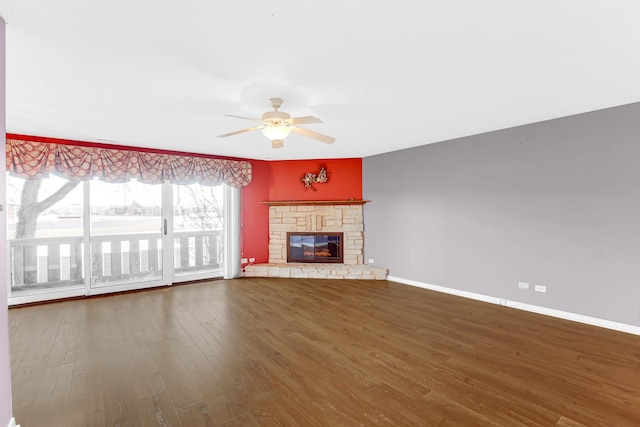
[314, 247]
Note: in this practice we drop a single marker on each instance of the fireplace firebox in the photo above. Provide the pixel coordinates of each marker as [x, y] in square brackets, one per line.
[314, 247]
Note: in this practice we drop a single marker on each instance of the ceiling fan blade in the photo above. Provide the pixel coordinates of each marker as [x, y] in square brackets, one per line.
[240, 131]
[314, 135]
[303, 120]
[241, 117]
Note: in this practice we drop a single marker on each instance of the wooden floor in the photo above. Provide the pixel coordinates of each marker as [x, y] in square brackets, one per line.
[262, 352]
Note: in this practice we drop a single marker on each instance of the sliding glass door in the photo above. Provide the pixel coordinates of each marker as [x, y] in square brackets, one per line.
[82, 238]
[46, 238]
[125, 235]
[198, 221]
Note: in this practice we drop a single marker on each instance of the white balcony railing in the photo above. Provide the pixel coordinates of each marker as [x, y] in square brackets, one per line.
[39, 263]
[58, 262]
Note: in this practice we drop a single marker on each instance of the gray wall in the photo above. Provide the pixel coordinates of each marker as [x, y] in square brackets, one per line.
[555, 203]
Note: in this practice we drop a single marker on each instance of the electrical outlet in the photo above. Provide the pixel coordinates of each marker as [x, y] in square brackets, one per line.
[523, 285]
[252, 260]
[243, 261]
[370, 260]
[540, 288]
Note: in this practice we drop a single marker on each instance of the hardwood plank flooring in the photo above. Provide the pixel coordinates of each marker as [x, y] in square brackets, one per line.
[289, 352]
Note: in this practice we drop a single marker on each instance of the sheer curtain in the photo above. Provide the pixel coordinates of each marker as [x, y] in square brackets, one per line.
[232, 233]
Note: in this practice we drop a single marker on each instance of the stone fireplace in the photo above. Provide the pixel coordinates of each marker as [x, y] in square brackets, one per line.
[347, 219]
[326, 217]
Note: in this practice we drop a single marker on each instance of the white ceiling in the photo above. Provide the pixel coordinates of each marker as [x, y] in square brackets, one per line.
[382, 75]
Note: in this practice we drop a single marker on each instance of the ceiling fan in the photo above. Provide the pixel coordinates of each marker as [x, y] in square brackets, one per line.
[277, 125]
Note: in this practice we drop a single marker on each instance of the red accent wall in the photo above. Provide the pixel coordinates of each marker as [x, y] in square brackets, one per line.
[254, 216]
[281, 180]
[345, 180]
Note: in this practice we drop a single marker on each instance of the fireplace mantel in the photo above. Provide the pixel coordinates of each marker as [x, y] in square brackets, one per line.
[314, 202]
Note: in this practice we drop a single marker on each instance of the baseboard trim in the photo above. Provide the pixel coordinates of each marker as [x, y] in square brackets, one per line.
[593, 321]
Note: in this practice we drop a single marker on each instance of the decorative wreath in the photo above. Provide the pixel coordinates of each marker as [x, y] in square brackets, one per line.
[310, 178]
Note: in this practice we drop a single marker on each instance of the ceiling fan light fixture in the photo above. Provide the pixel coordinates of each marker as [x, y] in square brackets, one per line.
[276, 131]
[277, 125]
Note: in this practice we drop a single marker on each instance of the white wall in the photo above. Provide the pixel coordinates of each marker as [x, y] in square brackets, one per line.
[5, 367]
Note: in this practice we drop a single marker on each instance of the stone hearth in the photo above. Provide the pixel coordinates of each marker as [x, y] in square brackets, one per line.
[317, 271]
[322, 216]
